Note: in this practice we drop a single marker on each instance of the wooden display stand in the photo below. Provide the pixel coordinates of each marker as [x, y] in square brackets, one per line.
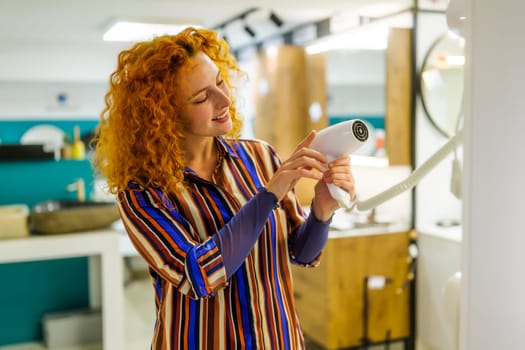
[335, 308]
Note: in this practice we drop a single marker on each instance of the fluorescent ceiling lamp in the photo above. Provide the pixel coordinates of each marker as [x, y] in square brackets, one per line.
[139, 31]
[375, 38]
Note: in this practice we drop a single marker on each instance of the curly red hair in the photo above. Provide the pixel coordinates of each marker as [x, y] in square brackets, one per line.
[140, 132]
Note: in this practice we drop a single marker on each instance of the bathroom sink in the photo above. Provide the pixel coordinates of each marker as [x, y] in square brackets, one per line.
[371, 224]
[64, 216]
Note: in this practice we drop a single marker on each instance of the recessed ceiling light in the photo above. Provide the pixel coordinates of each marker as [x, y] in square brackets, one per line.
[138, 31]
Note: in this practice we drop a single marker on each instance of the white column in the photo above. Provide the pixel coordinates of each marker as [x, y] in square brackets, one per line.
[112, 297]
[493, 286]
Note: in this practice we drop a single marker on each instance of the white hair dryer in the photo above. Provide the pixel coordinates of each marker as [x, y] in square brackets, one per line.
[346, 137]
[339, 140]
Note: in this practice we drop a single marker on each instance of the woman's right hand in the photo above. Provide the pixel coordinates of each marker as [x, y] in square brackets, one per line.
[304, 162]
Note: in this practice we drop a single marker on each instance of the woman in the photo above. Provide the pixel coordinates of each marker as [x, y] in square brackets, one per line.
[214, 216]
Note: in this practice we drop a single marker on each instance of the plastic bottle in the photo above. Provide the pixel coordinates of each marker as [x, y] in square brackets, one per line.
[78, 151]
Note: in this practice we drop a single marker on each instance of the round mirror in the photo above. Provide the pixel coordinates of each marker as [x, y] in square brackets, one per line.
[441, 82]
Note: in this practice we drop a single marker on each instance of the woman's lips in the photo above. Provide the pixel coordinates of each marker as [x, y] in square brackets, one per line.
[222, 118]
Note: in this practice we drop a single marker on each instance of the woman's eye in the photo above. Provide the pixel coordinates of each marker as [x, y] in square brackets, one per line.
[201, 99]
[220, 82]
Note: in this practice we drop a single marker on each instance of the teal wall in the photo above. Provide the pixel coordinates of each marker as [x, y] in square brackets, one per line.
[377, 121]
[30, 290]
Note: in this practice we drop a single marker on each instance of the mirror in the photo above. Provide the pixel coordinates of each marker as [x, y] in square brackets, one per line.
[356, 89]
[441, 83]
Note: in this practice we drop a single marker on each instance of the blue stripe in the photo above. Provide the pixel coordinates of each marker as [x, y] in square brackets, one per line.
[224, 210]
[247, 160]
[284, 321]
[155, 214]
[245, 315]
[192, 263]
[193, 335]
[158, 288]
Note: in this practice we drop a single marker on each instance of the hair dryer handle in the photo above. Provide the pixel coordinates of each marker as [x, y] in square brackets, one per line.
[341, 196]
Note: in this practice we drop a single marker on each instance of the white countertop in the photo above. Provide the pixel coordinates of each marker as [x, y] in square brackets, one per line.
[346, 224]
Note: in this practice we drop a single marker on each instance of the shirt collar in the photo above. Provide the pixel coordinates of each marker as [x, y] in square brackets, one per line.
[225, 148]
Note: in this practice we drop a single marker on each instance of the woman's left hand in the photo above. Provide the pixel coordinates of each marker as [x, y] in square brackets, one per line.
[340, 174]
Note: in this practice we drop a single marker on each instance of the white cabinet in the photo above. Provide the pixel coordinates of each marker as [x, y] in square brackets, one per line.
[439, 259]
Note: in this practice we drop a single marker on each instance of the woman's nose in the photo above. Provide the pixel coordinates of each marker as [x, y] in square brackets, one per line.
[223, 98]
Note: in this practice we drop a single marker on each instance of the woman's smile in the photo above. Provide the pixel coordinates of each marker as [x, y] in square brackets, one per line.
[222, 118]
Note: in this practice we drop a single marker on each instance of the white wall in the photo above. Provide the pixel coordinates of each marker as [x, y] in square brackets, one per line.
[493, 299]
[39, 100]
[49, 63]
[31, 77]
[492, 260]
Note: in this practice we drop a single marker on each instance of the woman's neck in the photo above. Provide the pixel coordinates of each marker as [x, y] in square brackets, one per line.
[201, 156]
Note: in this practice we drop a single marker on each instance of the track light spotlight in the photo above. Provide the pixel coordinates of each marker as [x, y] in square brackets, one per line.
[249, 30]
[276, 19]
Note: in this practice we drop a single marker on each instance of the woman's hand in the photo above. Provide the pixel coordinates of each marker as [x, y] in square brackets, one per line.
[340, 174]
[304, 162]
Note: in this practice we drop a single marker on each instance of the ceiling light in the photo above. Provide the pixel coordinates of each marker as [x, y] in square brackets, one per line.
[249, 30]
[375, 38]
[138, 31]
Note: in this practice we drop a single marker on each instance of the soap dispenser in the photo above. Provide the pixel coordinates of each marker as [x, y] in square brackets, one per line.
[78, 151]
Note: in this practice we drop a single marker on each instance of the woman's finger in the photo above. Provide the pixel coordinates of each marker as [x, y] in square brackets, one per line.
[307, 140]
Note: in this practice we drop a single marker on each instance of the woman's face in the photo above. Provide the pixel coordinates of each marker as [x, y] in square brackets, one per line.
[205, 99]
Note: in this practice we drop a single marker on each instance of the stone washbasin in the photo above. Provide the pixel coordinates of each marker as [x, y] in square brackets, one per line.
[65, 216]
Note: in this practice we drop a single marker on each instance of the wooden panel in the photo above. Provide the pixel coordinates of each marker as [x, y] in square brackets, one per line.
[280, 105]
[334, 291]
[399, 88]
[317, 92]
[288, 82]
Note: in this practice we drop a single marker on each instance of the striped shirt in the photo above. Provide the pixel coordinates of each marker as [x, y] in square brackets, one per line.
[197, 306]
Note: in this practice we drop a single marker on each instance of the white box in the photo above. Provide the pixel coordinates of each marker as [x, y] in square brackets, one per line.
[72, 328]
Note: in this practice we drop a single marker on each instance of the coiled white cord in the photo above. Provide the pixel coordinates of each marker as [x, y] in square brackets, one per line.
[415, 177]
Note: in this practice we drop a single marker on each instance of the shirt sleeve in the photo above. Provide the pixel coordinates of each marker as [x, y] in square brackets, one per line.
[237, 238]
[308, 240]
[163, 239]
[307, 235]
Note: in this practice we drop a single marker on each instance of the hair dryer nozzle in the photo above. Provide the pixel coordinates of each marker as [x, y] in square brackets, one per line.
[360, 130]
